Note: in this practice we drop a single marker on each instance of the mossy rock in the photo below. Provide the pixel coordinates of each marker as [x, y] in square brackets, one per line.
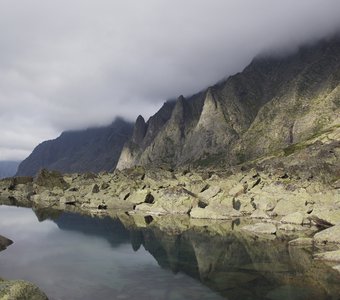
[20, 290]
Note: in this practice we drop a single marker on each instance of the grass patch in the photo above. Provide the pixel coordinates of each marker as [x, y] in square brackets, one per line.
[293, 148]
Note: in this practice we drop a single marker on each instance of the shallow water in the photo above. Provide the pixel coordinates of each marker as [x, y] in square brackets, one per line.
[79, 257]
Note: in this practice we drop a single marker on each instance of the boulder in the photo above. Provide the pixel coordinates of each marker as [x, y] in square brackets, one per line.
[242, 203]
[264, 201]
[19, 289]
[138, 197]
[259, 214]
[330, 235]
[261, 228]
[331, 217]
[329, 256]
[50, 180]
[237, 190]
[289, 205]
[149, 209]
[288, 227]
[301, 242]
[209, 193]
[214, 212]
[293, 218]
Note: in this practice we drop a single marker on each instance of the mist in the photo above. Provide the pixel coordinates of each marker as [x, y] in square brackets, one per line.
[73, 64]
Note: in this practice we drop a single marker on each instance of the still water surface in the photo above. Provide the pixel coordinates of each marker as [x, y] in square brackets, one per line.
[79, 257]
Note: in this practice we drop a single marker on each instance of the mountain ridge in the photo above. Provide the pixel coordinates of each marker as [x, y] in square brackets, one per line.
[91, 150]
[8, 168]
[276, 101]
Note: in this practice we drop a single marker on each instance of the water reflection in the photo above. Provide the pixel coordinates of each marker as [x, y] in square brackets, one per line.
[79, 257]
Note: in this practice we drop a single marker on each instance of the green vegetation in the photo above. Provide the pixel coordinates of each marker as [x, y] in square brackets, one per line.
[294, 147]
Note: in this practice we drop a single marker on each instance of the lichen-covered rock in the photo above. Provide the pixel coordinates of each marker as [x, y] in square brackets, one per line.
[259, 214]
[209, 193]
[237, 190]
[329, 256]
[301, 242]
[261, 228]
[329, 216]
[330, 235]
[138, 197]
[215, 211]
[290, 204]
[20, 290]
[293, 218]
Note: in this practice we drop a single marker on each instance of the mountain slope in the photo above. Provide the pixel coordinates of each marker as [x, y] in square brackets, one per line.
[94, 149]
[8, 168]
[272, 104]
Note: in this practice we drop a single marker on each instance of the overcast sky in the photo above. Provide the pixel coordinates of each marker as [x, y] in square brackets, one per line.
[68, 64]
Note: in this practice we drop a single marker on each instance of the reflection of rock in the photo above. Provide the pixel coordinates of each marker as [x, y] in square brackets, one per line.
[4, 242]
[230, 261]
[233, 264]
[18, 289]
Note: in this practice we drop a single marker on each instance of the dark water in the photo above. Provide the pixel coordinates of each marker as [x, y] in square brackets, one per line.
[76, 257]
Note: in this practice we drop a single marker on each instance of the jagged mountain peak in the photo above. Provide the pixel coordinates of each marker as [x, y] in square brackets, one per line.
[275, 101]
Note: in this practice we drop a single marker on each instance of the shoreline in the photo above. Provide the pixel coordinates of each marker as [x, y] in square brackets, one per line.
[272, 204]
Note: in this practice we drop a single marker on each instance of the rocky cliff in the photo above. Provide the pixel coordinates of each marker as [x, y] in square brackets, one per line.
[273, 104]
[94, 149]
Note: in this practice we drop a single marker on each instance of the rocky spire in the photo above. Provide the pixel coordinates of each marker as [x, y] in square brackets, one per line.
[139, 130]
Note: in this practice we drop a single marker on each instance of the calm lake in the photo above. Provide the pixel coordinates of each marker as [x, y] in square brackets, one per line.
[70, 256]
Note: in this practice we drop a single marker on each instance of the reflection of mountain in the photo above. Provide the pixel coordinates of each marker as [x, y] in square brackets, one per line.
[240, 267]
[235, 265]
[110, 229]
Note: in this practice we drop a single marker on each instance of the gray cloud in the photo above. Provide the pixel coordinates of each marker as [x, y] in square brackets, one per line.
[73, 64]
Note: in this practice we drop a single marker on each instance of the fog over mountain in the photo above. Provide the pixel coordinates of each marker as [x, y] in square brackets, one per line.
[70, 65]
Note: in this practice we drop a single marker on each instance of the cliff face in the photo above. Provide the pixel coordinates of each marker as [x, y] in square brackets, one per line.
[274, 103]
[94, 149]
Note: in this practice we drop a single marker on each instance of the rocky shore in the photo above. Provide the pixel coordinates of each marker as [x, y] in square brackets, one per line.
[273, 201]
